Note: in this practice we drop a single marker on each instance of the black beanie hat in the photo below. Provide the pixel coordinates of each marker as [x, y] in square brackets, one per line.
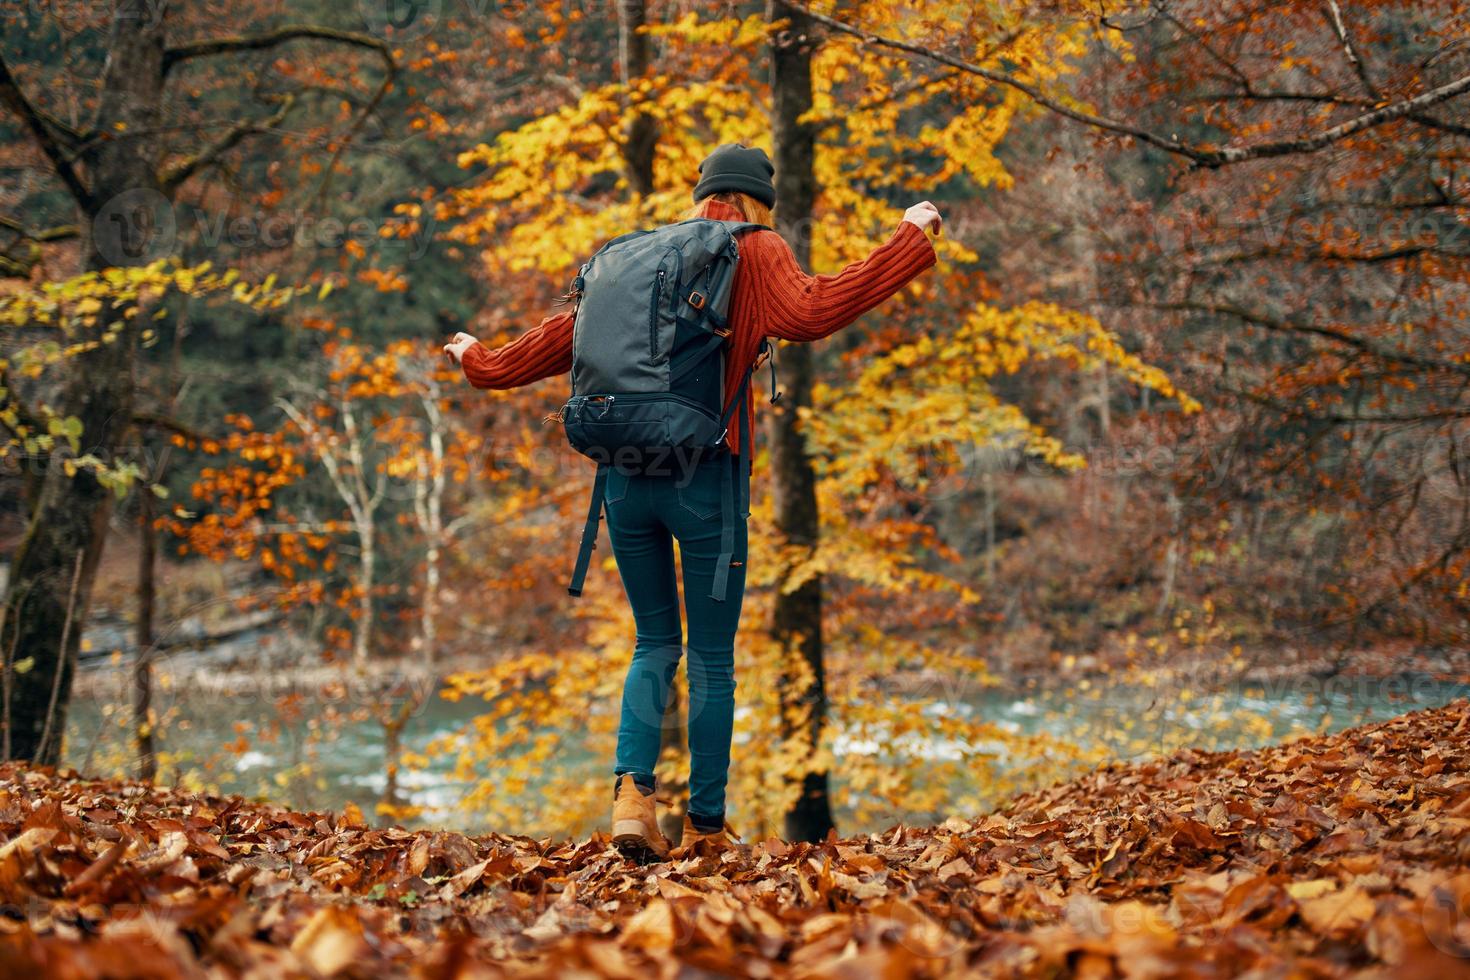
[737, 167]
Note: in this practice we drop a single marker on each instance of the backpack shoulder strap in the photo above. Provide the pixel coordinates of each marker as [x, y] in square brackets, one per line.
[731, 494]
[736, 227]
[589, 532]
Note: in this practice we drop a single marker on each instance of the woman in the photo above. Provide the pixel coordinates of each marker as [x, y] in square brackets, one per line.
[771, 297]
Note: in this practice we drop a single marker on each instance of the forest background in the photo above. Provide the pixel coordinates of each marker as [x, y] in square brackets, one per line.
[1169, 449]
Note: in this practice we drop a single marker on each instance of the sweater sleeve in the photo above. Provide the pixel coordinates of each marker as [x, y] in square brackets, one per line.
[544, 351]
[802, 307]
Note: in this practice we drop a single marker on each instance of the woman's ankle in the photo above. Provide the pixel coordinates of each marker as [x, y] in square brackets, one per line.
[707, 824]
[646, 782]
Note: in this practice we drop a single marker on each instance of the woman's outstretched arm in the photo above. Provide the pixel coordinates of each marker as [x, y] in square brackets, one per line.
[802, 307]
[544, 351]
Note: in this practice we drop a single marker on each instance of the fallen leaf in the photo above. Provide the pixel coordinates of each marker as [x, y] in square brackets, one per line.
[1338, 911]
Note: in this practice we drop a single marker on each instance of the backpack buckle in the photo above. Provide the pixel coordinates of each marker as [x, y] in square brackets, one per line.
[697, 300]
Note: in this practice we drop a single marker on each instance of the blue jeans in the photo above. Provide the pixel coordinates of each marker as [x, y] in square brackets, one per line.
[645, 514]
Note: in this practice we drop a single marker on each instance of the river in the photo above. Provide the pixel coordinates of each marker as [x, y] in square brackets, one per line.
[319, 754]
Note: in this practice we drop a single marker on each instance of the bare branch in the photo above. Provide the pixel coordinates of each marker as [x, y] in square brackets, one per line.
[1003, 78]
[184, 169]
[174, 56]
[347, 137]
[1328, 333]
[1248, 94]
[1326, 255]
[328, 458]
[20, 266]
[1230, 67]
[71, 138]
[1200, 156]
[165, 423]
[53, 234]
[1297, 410]
[1433, 122]
[207, 640]
[1334, 16]
[1114, 24]
[296, 32]
[45, 137]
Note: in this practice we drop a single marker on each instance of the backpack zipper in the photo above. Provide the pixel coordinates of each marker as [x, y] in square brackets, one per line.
[658, 292]
[604, 403]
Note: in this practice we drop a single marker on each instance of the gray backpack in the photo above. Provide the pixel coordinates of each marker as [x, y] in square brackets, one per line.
[648, 365]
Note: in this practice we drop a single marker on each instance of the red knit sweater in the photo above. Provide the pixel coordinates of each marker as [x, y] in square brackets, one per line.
[772, 297]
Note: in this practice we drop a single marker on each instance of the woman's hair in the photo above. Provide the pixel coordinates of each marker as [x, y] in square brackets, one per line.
[750, 209]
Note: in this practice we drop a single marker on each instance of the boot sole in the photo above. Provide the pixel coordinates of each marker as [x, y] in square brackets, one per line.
[628, 837]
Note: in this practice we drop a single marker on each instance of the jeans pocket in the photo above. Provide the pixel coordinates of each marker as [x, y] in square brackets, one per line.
[617, 486]
[700, 493]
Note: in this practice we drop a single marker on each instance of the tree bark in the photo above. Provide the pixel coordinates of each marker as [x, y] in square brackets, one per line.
[363, 503]
[797, 622]
[428, 508]
[143, 662]
[67, 523]
[633, 59]
[367, 565]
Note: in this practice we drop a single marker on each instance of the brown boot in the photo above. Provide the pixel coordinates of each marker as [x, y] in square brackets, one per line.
[635, 825]
[713, 842]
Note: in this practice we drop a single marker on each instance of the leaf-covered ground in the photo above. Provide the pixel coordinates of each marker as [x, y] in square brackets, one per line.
[1322, 857]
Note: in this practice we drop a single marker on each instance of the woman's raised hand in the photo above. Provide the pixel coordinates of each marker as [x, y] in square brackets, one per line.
[924, 214]
[454, 350]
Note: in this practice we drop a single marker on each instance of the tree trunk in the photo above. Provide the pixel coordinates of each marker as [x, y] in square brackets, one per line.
[362, 502]
[988, 483]
[1171, 558]
[67, 523]
[797, 622]
[363, 638]
[429, 509]
[143, 663]
[392, 752]
[632, 64]
[429, 626]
